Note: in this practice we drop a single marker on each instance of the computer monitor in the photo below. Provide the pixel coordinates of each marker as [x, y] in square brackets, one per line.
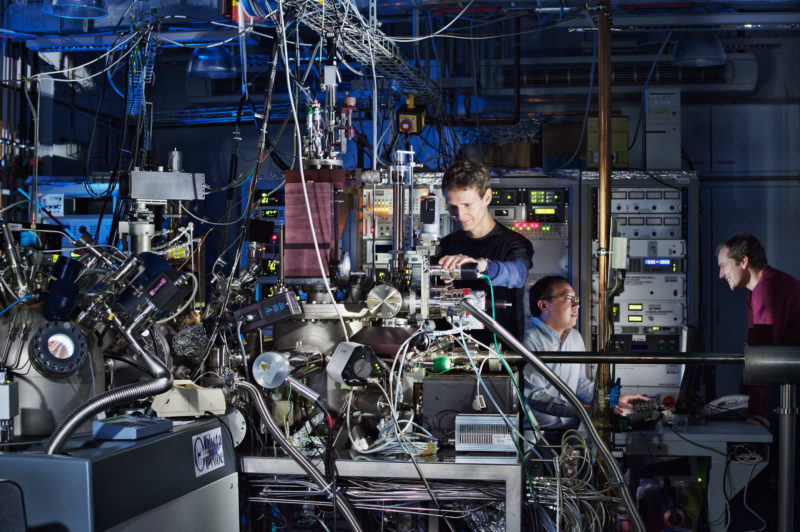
[690, 401]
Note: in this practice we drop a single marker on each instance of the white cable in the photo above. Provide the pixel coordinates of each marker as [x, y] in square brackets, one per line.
[49, 75]
[374, 104]
[95, 60]
[188, 302]
[351, 69]
[400, 438]
[209, 222]
[404, 347]
[744, 498]
[181, 233]
[470, 38]
[425, 37]
[477, 382]
[511, 426]
[212, 45]
[13, 205]
[242, 48]
[298, 131]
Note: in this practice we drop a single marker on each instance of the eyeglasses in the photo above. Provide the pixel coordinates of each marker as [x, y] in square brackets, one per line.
[572, 300]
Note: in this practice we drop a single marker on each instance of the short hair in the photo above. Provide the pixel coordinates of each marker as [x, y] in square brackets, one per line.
[467, 174]
[743, 245]
[542, 289]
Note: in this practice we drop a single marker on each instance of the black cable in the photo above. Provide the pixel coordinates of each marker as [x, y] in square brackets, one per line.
[21, 443]
[685, 157]
[153, 337]
[586, 110]
[330, 464]
[135, 145]
[117, 216]
[661, 181]
[726, 515]
[697, 444]
[233, 167]
[644, 87]
[248, 207]
[91, 135]
[115, 172]
[224, 424]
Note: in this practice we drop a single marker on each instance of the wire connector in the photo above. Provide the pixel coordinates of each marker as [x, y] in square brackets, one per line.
[479, 403]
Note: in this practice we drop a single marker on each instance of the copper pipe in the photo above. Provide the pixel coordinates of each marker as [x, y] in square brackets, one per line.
[603, 416]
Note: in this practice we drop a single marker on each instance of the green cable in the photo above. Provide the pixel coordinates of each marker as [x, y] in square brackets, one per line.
[519, 393]
[427, 372]
[505, 365]
[288, 411]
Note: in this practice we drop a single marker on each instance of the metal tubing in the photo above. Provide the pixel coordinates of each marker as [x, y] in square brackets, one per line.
[104, 401]
[587, 357]
[771, 364]
[313, 472]
[397, 214]
[281, 255]
[786, 459]
[86, 241]
[126, 270]
[16, 262]
[470, 304]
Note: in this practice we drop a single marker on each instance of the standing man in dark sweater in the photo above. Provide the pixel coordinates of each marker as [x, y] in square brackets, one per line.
[503, 255]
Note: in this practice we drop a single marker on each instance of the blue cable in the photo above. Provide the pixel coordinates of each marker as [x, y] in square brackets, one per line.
[14, 303]
[65, 228]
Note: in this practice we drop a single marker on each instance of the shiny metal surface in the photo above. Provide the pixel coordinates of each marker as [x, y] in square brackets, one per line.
[384, 301]
[44, 401]
[385, 341]
[321, 335]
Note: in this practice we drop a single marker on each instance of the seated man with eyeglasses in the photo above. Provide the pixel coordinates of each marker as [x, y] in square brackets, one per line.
[554, 307]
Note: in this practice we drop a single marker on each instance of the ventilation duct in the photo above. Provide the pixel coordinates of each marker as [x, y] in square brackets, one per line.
[570, 76]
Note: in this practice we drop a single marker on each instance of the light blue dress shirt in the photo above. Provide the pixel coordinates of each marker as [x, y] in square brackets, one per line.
[548, 406]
